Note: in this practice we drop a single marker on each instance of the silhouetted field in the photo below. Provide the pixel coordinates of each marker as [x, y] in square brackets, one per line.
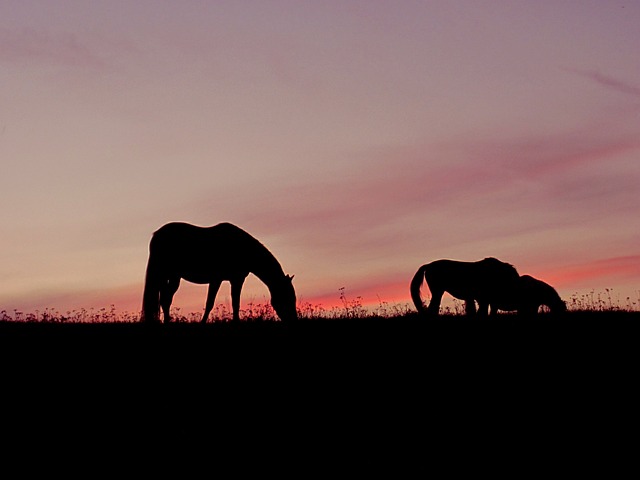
[408, 344]
[571, 379]
[365, 337]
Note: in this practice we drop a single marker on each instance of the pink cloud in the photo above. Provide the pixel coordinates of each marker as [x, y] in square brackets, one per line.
[396, 183]
[608, 269]
[545, 156]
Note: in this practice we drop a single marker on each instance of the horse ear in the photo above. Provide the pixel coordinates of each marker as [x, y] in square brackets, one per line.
[290, 277]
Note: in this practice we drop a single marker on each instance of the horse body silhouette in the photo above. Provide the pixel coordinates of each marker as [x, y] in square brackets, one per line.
[528, 296]
[211, 255]
[482, 281]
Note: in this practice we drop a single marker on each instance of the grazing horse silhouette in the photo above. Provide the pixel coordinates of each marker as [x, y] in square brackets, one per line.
[481, 281]
[211, 255]
[528, 296]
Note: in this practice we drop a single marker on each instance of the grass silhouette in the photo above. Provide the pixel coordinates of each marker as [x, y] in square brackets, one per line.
[604, 301]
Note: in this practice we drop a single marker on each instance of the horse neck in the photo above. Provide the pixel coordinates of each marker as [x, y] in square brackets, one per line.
[268, 269]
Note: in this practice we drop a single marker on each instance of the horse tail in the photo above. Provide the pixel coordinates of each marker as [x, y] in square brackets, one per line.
[416, 285]
[151, 294]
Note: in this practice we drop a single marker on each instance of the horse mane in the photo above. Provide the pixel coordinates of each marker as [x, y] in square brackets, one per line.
[267, 258]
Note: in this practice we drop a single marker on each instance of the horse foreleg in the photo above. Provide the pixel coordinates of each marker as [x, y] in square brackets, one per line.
[211, 297]
[167, 292]
[236, 288]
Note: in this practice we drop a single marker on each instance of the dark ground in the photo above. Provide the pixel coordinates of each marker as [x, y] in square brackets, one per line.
[532, 390]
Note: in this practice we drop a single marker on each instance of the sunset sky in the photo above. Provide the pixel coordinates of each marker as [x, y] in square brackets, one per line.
[357, 140]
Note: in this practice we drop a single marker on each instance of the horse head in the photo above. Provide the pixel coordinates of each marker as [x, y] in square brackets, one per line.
[539, 293]
[283, 299]
[558, 306]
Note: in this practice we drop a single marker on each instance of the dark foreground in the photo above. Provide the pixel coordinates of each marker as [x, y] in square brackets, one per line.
[549, 384]
[449, 341]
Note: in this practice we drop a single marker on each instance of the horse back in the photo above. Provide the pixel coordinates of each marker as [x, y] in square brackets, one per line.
[180, 235]
[194, 252]
[464, 280]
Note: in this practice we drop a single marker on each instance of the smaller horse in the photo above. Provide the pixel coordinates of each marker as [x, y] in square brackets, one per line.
[529, 295]
[482, 281]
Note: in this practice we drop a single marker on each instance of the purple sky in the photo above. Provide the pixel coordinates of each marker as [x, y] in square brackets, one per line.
[356, 139]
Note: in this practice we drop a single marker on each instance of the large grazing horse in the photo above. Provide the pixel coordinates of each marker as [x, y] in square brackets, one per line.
[482, 281]
[529, 295]
[211, 255]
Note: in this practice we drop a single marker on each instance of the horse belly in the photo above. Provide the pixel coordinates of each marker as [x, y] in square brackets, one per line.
[462, 289]
[199, 279]
[208, 273]
[460, 293]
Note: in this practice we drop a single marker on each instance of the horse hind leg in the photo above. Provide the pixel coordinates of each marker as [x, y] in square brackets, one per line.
[211, 297]
[433, 309]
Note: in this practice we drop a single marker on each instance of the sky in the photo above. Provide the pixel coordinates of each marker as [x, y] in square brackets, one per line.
[357, 140]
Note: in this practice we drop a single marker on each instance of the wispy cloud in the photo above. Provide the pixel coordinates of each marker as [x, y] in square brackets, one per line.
[324, 212]
[545, 156]
[609, 82]
[397, 205]
[399, 182]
